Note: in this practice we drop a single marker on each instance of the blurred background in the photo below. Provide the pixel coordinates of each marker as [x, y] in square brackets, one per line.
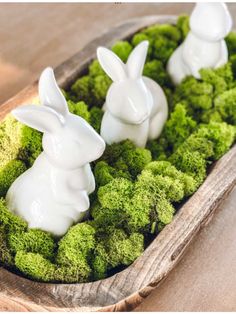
[36, 35]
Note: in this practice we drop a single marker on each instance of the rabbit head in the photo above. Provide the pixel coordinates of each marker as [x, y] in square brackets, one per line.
[210, 21]
[68, 140]
[128, 98]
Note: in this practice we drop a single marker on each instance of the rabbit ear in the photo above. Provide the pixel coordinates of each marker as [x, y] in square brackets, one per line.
[50, 94]
[111, 64]
[137, 59]
[43, 119]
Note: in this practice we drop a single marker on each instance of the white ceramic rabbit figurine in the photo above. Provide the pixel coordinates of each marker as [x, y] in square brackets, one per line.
[204, 46]
[136, 107]
[53, 194]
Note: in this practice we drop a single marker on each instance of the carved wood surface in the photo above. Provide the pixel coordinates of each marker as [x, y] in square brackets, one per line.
[126, 289]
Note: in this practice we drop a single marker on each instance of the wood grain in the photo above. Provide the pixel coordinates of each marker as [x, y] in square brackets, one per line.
[128, 288]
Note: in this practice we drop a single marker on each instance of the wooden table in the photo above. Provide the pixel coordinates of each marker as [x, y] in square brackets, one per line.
[34, 36]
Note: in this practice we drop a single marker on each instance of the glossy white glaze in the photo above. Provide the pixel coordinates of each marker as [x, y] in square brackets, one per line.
[53, 193]
[204, 46]
[136, 107]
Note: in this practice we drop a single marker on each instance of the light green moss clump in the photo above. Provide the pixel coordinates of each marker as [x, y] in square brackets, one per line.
[122, 49]
[11, 222]
[35, 266]
[155, 70]
[81, 90]
[231, 43]
[127, 158]
[178, 127]
[8, 174]
[222, 135]
[96, 115]
[18, 141]
[6, 259]
[80, 109]
[183, 25]
[115, 249]
[225, 104]
[34, 241]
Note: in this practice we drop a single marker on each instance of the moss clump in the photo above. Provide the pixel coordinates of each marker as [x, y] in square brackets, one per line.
[35, 266]
[80, 109]
[191, 163]
[222, 135]
[18, 141]
[127, 158]
[96, 115]
[80, 90]
[34, 241]
[155, 70]
[116, 249]
[76, 246]
[122, 49]
[165, 168]
[95, 69]
[138, 38]
[8, 174]
[11, 222]
[114, 194]
[183, 25]
[100, 86]
[6, 258]
[231, 43]
[104, 173]
[225, 104]
[178, 127]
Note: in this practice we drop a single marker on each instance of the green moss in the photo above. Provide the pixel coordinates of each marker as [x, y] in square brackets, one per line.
[114, 194]
[155, 70]
[136, 188]
[158, 148]
[76, 246]
[210, 76]
[104, 173]
[165, 211]
[118, 248]
[8, 174]
[169, 31]
[34, 241]
[221, 135]
[165, 168]
[11, 222]
[95, 69]
[81, 90]
[18, 141]
[80, 109]
[225, 104]
[122, 49]
[200, 144]
[6, 259]
[100, 262]
[178, 127]
[163, 48]
[101, 83]
[231, 43]
[183, 25]
[35, 266]
[73, 274]
[138, 38]
[96, 115]
[192, 163]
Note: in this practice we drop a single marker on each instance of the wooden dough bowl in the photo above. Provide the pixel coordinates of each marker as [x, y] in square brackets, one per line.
[124, 290]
